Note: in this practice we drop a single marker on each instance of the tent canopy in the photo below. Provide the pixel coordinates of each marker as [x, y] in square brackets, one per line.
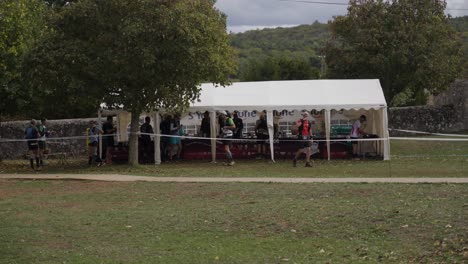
[292, 95]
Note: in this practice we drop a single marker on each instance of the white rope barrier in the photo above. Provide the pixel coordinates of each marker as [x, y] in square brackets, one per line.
[428, 133]
[276, 140]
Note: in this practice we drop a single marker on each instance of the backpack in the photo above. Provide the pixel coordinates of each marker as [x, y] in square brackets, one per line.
[30, 133]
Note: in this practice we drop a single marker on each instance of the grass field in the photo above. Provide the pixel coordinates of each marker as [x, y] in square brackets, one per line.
[427, 167]
[97, 222]
[409, 159]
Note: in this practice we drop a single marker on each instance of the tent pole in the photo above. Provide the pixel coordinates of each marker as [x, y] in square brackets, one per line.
[213, 135]
[271, 133]
[386, 134]
[327, 130]
[157, 138]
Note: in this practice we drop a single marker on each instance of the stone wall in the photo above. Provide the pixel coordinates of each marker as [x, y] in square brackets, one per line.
[58, 128]
[446, 119]
[449, 114]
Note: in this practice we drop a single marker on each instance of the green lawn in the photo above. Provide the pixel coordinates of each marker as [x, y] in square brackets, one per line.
[102, 222]
[427, 167]
[409, 159]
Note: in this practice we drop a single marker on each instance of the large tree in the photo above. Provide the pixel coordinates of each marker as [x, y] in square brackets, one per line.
[139, 54]
[408, 45]
[22, 23]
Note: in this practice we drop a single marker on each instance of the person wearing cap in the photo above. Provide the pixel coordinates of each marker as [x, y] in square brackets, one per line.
[356, 133]
[304, 134]
[227, 129]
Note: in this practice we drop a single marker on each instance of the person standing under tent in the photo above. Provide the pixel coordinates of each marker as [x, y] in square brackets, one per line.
[174, 147]
[304, 133]
[205, 129]
[239, 125]
[165, 128]
[145, 140]
[108, 140]
[31, 135]
[93, 142]
[261, 131]
[228, 127]
[356, 133]
[43, 133]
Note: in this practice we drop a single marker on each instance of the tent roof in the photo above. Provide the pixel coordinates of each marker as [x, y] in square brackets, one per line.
[292, 95]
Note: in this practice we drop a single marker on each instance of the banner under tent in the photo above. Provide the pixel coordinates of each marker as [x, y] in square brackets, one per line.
[331, 97]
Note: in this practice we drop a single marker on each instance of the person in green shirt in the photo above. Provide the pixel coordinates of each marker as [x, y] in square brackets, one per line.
[227, 134]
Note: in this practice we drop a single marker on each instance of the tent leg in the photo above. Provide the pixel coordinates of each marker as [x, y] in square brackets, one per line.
[327, 131]
[213, 135]
[271, 134]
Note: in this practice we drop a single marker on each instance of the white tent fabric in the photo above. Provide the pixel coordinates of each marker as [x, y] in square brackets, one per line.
[307, 95]
[292, 95]
[299, 95]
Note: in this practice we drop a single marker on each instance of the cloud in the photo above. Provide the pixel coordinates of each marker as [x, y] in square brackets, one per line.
[255, 14]
[275, 12]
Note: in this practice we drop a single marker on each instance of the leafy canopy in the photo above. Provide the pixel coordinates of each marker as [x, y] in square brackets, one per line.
[22, 22]
[142, 54]
[408, 45]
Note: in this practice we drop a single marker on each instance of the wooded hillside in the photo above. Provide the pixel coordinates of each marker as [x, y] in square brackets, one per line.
[303, 43]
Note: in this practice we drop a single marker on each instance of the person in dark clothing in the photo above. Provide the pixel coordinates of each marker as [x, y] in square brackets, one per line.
[205, 127]
[261, 131]
[31, 135]
[165, 127]
[145, 140]
[226, 133]
[239, 125]
[108, 140]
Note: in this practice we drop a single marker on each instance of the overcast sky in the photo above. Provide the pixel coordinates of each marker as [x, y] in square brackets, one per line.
[252, 14]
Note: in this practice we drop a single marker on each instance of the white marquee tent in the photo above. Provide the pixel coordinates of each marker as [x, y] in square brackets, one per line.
[326, 95]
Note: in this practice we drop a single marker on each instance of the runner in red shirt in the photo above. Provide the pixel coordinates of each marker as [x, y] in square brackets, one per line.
[305, 134]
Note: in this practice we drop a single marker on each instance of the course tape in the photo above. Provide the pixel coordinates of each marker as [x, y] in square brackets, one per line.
[247, 139]
[201, 138]
[428, 133]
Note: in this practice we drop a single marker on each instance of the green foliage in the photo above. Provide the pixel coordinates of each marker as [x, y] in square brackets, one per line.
[461, 25]
[282, 68]
[22, 22]
[141, 55]
[301, 43]
[408, 45]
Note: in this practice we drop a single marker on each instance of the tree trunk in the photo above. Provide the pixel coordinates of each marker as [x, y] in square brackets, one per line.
[133, 139]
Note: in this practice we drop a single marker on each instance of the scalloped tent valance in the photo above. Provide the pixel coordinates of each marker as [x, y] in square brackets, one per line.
[292, 95]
